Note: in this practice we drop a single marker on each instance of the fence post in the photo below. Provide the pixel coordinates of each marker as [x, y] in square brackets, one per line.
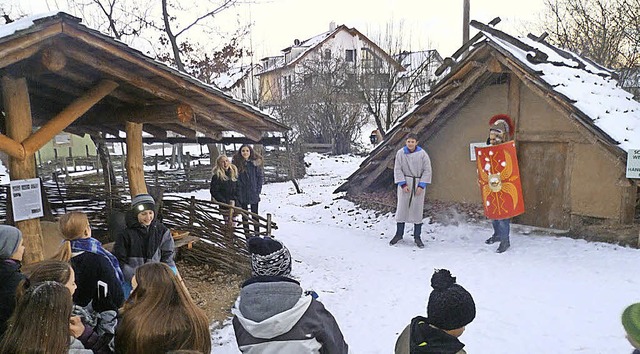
[192, 210]
[229, 232]
[269, 224]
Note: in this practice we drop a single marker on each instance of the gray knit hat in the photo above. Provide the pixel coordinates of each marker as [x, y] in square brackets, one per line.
[142, 202]
[9, 240]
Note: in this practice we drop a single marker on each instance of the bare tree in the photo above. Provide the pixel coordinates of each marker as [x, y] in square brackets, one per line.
[605, 31]
[389, 90]
[323, 104]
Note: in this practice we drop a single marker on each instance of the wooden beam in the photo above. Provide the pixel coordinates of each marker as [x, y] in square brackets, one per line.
[53, 59]
[17, 108]
[27, 46]
[513, 100]
[145, 84]
[172, 113]
[77, 108]
[271, 141]
[176, 128]
[134, 163]
[157, 132]
[12, 147]
[164, 74]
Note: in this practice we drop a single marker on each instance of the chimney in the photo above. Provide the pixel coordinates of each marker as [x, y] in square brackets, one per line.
[332, 26]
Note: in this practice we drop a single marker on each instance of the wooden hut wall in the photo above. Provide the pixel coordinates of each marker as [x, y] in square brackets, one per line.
[454, 174]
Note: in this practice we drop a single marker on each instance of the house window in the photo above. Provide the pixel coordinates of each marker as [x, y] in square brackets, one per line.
[327, 54]
[307, 80]
[350, 55]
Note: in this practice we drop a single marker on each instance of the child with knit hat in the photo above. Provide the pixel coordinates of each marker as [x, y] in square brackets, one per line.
[145, 239]
[449, 310]
[11, 252]
[631, 324]
[274, 315]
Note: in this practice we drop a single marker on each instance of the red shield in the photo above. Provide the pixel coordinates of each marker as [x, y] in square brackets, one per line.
[499, 180]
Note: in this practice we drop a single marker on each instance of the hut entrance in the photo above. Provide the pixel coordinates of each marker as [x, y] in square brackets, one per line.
[543, 188]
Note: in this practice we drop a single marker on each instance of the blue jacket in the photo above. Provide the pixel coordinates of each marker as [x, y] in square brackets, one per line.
[250, 182]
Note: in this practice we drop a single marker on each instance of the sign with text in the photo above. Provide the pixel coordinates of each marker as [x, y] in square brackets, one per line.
[26, 199]
[633, 163]
[472, 149]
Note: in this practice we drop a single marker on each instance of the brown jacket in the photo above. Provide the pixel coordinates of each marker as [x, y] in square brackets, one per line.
[402, 344]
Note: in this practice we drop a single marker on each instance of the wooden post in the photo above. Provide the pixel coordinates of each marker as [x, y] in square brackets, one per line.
[192, 210]
[19, 124]
[230, 224]
[268, 224]
[134, 163]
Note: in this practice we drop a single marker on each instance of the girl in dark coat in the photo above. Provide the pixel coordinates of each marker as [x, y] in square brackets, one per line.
[98, 275]
[250, 179]
[224, 184]
[11, 252]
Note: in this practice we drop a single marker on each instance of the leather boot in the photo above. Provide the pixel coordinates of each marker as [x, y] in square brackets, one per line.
[504, 245]
[491, 240]
[399, 233]
[417, 231]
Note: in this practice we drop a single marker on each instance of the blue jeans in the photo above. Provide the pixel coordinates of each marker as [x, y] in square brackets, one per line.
[501, 229]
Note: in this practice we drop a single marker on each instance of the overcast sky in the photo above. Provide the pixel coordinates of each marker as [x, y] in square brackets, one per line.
[428, 23]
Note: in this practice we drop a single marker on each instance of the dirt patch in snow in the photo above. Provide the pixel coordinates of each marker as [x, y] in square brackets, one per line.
[212, 290]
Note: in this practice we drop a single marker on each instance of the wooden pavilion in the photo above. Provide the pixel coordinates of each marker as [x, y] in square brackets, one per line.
[57, 74]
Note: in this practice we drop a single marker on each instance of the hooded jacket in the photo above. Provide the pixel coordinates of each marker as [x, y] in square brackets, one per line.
[138, 244]
[274, 316]
[419, 337]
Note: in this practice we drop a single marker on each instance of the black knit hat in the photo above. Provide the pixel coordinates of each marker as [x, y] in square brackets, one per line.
[269, 257]
[450, 305]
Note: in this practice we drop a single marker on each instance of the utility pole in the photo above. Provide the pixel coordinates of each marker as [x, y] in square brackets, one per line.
[465, 20]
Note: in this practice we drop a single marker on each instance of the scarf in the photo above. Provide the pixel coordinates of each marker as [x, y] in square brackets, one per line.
[94, 246]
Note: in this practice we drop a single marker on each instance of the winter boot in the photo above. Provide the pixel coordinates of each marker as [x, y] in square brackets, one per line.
[417, 231]
[504, 245]
[491, 240]
[399, 233]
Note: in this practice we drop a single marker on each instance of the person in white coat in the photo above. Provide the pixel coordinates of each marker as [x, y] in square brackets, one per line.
[412, 173]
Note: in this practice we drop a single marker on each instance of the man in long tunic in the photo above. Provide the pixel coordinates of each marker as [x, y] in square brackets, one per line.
[412, 173]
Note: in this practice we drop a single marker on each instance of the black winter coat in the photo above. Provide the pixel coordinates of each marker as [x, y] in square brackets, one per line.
[97, 282]
[250, 182]
[224, 191]
[10, 277]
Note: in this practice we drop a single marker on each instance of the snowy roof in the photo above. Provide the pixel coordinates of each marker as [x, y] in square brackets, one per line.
[592, 89]
[312, 43]
[412, 61]
[23, 23]
[306, 46]
[227, 80]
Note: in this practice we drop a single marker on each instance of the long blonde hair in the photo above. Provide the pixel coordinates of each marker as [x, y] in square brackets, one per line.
[220, 172]
[72, 226]
[160, 316]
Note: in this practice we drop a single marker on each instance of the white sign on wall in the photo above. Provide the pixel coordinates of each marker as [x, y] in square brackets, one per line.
[472, 149]
[26, 199]
[633, 163]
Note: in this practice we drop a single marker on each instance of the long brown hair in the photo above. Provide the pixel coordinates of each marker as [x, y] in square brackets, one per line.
[160, 316]
[241, 163]
[47, 270]
[40, 321]
[219, 171]
[72, 225]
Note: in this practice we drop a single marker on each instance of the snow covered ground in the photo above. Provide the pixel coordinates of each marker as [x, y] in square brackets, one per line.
[545, 295]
